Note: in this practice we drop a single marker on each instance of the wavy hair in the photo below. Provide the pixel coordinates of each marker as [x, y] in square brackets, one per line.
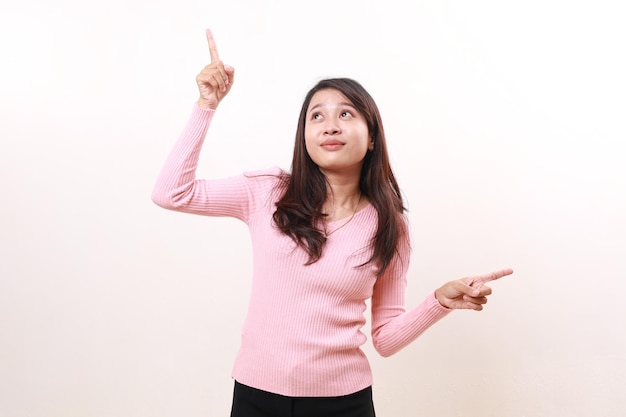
[299, 210]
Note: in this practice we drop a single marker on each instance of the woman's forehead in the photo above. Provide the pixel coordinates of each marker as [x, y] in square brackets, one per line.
[329, 98]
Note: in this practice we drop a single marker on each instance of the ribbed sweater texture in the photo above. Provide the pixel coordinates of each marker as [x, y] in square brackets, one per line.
[302, 335]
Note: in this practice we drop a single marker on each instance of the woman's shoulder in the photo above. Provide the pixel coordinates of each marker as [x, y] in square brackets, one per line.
[273, 177]
[275, 172]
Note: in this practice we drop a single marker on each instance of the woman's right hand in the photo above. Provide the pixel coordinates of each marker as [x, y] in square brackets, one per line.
[215, 80]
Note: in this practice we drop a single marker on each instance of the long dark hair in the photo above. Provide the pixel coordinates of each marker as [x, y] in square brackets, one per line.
[299, 210]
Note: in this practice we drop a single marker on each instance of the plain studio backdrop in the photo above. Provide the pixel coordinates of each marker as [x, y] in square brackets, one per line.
[505, 123]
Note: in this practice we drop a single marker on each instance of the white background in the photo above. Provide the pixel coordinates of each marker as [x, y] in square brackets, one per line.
[505, 122]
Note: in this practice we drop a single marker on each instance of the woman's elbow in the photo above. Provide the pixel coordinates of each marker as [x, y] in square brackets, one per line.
[384, 350]
[163, 199]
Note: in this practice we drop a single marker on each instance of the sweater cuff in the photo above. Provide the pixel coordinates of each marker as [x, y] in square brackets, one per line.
[201, 110]
[436, 305]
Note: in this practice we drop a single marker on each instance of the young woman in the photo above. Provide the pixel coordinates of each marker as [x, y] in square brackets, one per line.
[326, 236]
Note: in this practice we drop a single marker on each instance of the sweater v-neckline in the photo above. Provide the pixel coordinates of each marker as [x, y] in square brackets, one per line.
[344, 222]
[351, 217]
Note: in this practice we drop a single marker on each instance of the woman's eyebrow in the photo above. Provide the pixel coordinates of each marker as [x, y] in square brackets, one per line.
[341, 104]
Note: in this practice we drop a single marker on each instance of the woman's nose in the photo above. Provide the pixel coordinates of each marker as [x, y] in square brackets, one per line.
[331, 128]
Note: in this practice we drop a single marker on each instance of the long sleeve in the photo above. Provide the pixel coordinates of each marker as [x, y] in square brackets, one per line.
[177, 187]
[393, 327]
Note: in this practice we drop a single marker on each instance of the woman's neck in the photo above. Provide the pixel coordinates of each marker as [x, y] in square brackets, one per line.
[342, 201]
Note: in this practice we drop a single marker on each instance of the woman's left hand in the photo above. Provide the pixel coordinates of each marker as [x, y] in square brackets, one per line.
[468, 293]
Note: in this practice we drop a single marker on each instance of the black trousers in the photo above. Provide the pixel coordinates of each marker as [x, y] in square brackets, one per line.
[252, 402]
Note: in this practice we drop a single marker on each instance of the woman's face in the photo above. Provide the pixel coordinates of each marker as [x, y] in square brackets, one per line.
[336, 134]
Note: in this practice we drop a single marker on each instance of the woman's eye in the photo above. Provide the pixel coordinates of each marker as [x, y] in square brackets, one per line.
[346, 113]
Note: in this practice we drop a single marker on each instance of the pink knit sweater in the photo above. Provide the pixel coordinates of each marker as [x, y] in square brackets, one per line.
[302, 334]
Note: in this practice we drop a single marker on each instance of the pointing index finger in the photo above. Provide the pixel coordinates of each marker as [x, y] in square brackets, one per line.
[495, 275]
[212, 47]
